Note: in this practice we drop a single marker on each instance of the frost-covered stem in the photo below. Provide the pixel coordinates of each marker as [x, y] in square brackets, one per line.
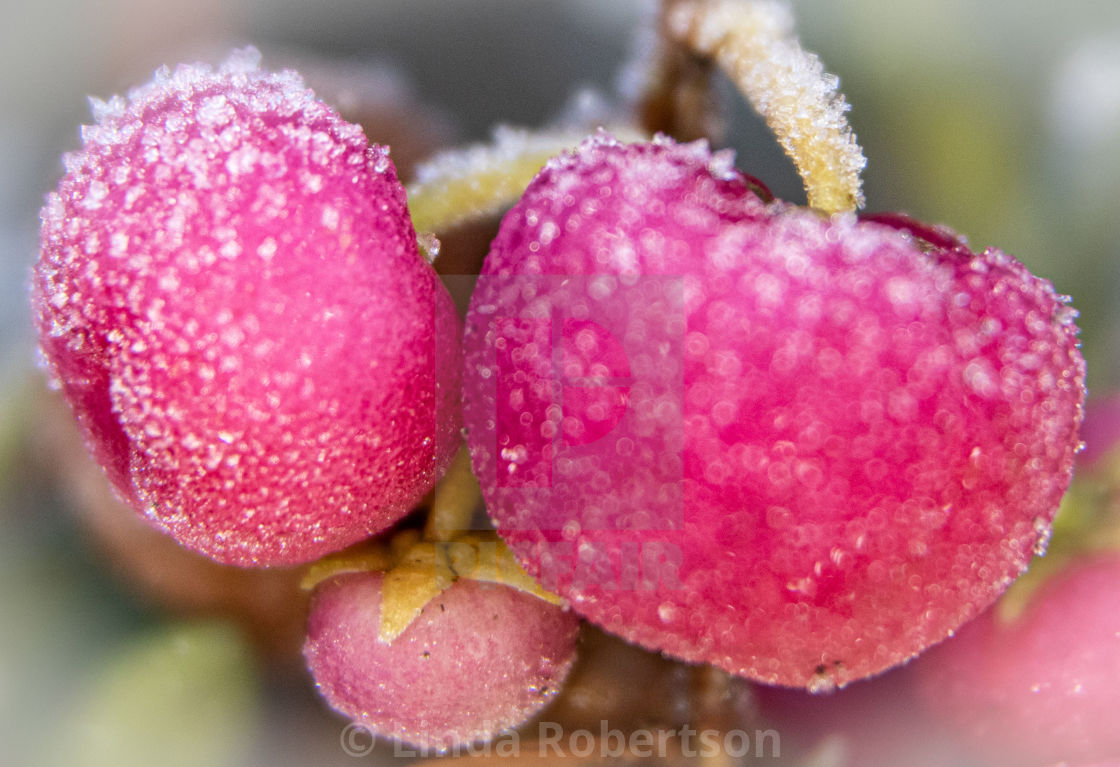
[753, 41]
[462, 185]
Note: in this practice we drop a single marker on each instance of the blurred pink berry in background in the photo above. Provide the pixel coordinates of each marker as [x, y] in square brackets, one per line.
[1042, 686]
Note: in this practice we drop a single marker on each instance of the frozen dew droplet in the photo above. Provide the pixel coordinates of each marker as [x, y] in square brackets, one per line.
[822, 683]
[429, 245]
[1065, 314]
[242, 61]
[380, 156]
[1044, 531]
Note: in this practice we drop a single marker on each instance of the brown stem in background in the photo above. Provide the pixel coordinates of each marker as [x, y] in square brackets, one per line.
[679, 100]
[713, 708]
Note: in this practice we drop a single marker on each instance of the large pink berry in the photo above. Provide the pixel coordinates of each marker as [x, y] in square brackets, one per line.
[480, 659]
[801, 448]
[231, 297]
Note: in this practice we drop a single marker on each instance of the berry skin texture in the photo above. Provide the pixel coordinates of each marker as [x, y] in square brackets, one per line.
[1043, 687]
[231, 298]
[479, 659]
[800, 448]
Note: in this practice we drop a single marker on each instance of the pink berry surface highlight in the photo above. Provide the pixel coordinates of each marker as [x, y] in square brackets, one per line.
[231, 297]
[1044, 686]
[798, 447]
[480, 659]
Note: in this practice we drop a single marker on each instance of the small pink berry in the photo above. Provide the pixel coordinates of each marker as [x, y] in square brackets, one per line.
[802, 448]
[231, 297]
[480, 659]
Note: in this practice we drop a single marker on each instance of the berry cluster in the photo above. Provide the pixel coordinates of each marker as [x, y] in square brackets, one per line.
[796, 444]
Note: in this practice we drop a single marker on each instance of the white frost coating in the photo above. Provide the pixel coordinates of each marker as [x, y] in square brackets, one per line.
[241, 63]
[509, 145]
[754, 43]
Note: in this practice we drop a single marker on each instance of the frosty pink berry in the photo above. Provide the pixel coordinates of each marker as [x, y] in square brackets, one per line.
[231, 297]
[797, 447]
[481, 658]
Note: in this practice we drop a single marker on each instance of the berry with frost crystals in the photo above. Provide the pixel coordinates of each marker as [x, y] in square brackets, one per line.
[480, 659]
[231, 298]
[800, 448]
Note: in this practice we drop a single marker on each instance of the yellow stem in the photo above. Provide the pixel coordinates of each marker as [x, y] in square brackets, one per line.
[462, 185]
[372, 557]
[417, 579]
[753, 42]
[457, 496]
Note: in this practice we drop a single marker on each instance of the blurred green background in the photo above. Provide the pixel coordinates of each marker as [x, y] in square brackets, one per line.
[1000, 119]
